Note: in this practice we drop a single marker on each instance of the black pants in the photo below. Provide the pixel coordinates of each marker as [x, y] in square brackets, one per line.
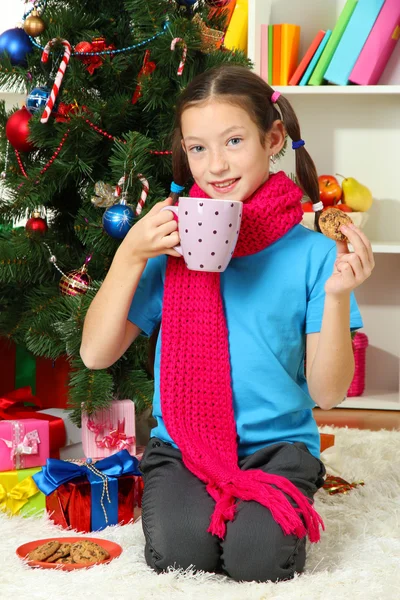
[176, 511]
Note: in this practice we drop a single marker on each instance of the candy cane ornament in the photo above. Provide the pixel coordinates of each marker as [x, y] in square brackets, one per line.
[51, 100]
[143, 195]
[184, 53]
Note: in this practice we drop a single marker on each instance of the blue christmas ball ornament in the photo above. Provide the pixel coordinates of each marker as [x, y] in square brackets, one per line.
[187, 2]
[17, 44]
[117, 220]
[37, 99]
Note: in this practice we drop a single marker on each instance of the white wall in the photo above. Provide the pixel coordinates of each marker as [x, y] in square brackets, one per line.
[11, 12]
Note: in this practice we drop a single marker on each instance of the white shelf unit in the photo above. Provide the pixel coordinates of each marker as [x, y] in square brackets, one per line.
[353, 130]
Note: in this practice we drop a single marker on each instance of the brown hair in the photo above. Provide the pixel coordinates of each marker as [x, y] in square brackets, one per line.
[241, 87]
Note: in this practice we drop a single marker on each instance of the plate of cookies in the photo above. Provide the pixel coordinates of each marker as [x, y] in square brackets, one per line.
[68, 553]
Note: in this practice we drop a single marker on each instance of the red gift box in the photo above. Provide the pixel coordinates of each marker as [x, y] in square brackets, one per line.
[49, 379]
[70, 504]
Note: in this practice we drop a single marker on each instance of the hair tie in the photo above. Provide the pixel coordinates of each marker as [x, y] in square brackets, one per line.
[317, 206]
[175, 188]
[275, 97]
[298, 144]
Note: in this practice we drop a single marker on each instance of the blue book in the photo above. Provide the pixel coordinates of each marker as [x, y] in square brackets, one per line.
[352, 42]
[315, 58]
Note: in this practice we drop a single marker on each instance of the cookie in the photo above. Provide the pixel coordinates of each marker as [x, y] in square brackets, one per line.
[43, 551]
[66, 560]
[330, 222]
[87, 552]
[62, 552]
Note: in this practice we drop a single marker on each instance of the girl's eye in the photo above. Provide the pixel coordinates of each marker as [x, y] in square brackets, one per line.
[196, 149]
[235, 141]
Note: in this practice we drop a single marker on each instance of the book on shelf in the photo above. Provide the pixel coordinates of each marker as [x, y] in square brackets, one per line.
[276, 55]
[264, 53]
[317, 76]
[270, 52]
[352, 41]
[379, 46]
[305, 61]
[290, 41]
[314, 61]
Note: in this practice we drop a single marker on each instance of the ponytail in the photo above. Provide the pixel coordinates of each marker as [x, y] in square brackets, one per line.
[180, 165]
[306, 171]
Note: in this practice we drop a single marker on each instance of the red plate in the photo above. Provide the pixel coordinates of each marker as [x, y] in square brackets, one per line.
[112, 548]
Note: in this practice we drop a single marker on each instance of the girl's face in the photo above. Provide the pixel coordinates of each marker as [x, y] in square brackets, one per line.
[224, 150]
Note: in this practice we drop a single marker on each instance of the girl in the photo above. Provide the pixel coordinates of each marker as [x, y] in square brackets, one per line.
[233, 464]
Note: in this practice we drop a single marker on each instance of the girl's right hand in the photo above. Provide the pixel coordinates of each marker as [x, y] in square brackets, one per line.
[154, 234]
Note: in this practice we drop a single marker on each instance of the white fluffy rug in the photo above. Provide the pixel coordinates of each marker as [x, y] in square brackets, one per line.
[358, 557]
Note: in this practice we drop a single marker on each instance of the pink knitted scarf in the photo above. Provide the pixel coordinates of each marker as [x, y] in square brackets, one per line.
[196, 392]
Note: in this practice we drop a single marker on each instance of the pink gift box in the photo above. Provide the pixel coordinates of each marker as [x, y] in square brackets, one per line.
[109, 430]
[24, 443]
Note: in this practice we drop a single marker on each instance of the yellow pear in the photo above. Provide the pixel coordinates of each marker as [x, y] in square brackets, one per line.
[356, 195]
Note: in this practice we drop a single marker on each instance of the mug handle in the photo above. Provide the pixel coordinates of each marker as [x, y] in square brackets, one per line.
[175, 210]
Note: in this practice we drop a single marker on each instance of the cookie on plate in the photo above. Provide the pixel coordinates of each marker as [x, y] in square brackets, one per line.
[86, 552]
[62, 551]
[66, 560]
[330, 222]
[43, 551]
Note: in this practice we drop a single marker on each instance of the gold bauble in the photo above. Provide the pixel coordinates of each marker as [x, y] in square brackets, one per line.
[34, 25]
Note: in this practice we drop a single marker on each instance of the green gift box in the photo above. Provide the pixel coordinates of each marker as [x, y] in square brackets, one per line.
[19, 494]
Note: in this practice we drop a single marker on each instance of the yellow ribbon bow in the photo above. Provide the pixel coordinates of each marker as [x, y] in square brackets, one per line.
[12, 499]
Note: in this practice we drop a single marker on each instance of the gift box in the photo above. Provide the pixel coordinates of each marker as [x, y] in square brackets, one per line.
[47, 378]
[92, 495]
[109, 430]
[24, 443]
[72, 448]
[21, 404]
[19, 494]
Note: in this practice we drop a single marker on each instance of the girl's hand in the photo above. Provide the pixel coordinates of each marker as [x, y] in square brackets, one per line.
[155, 233]
[351, 268]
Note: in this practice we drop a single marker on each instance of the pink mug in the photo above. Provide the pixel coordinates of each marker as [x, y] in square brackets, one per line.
[208, 229]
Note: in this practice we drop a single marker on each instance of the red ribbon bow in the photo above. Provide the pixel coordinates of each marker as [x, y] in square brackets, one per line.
[116, 438]
[147, 69]
[97, 45]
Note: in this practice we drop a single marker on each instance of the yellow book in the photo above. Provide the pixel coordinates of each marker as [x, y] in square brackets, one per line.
[290, 41]
[236, 35]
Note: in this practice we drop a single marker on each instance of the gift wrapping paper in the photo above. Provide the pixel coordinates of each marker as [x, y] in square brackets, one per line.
[109, 430]
[24, 443]
[19, 494]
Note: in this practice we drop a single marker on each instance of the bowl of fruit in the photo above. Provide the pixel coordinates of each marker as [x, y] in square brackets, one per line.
[351, 196]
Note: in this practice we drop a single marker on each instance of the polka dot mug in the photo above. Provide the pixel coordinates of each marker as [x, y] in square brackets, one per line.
[208, 230]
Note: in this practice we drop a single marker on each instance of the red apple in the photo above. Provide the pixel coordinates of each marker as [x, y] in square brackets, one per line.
[330, 191]
[344, 207]
[307, 206]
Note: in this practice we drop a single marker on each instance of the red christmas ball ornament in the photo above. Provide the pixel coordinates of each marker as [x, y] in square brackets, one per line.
[36, 224]
[75, 283]
[17, 130]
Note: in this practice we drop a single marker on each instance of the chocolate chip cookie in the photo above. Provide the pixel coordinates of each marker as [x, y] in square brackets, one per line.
[87, 552]
[330, 222]
[43, 551]
[62, 552]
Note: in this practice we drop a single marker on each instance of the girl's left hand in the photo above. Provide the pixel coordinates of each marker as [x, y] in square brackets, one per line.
[351, 268]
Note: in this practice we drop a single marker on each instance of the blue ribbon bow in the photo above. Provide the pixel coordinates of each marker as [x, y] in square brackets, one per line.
[56, 472]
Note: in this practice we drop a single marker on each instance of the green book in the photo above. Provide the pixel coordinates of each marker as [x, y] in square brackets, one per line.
[270, 51]
[326, 57]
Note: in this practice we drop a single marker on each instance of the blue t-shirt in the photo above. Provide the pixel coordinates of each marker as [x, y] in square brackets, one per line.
[272, 299]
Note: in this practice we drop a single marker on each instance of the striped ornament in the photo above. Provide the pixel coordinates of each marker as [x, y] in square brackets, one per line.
[59, 77]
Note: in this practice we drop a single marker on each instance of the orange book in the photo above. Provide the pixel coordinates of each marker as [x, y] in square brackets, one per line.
[305, 61]
[290, 41]
[276, 55]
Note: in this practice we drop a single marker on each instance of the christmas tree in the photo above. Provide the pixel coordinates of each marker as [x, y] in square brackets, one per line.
[86, 156]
